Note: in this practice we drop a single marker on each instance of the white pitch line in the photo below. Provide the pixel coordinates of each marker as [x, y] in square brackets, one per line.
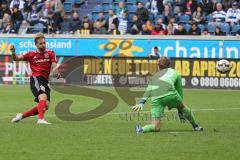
[6, 115]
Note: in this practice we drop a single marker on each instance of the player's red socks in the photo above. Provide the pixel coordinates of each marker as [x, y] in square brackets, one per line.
[42, 106]
[32, 112]
[39, 109]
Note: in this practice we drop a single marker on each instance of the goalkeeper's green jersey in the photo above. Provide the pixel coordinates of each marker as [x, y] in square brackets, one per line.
[164, 83]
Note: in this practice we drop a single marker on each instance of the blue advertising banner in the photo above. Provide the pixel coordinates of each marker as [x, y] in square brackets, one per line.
[129, 47]
[23, 45]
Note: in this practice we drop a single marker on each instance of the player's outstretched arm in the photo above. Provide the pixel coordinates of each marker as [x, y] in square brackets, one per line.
[14, 55]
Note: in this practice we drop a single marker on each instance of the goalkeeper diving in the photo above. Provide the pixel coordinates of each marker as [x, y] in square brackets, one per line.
[165, 90]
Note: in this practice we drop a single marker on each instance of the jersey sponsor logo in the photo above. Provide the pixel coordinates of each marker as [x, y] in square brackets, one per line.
[41, 60]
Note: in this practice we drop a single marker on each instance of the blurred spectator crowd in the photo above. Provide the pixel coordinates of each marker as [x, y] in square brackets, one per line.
[135, 17]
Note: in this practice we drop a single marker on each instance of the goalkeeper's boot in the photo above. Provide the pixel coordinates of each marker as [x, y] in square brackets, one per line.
[197, 128]
[42, 121]
[18, 118]
[138, 128]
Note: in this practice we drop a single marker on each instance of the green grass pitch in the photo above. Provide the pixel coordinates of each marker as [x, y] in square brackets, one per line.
[112, 136]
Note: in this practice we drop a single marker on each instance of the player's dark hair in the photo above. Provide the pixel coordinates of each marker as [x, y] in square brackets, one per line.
[164, 62]
[38, 36]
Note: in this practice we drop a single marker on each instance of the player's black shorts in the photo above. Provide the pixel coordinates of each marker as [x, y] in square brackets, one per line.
[39, 85]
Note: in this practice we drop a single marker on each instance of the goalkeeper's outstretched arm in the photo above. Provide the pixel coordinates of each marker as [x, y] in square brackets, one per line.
[143, 100]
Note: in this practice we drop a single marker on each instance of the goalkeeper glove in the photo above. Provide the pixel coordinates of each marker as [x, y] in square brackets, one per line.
[139, 107]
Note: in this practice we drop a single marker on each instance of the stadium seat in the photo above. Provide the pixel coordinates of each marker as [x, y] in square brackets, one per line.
[39, 27]
[79, 1]
[68, 7]
[184, 18]
[34, 31]
[106, 15]
[158, 16]
[151, 17]
[130, 15]
[107, 7]
[117, 1]
[73, 1]
[143, 1]
[225, 28]
[107, 2]
[90, 17]
[94, 16]
[97, 9]
[131, 2]
[235, 28]
[131, 8]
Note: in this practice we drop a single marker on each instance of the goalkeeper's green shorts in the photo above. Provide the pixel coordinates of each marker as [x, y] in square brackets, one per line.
[159, 104]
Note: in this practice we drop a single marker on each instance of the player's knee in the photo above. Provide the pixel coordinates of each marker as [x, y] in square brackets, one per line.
[182, 106]
[42, 96]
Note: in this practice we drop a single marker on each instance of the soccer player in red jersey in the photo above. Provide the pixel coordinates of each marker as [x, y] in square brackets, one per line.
[41, 61]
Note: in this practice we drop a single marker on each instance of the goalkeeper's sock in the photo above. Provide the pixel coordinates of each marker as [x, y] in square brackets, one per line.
[148, 128]
[42, 106]
[189, 116]
[32, 112]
